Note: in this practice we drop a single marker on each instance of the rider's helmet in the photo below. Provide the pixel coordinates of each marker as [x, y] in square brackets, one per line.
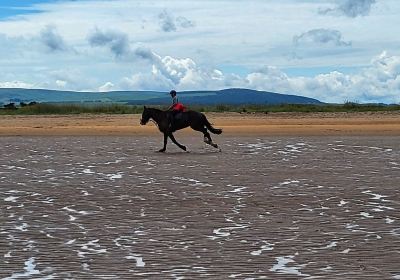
[172, 92]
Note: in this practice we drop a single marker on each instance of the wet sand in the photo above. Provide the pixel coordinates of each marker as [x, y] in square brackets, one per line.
[266, 207]
[290, 124]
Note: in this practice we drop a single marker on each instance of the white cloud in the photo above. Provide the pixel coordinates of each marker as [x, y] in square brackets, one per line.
[52, 40]
[320, 36]
[106, 87]
[319, 43]
[168, 72]
[379, 82]
[168, 23]
[350, 8]
[16, 84]
[61, 83]
[116, 41]
[106, 42]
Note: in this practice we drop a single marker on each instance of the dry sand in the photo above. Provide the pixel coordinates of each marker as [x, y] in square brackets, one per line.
[291, 124]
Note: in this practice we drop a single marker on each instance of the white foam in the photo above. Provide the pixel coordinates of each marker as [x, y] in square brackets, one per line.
[225, 231]
[75, 211]
[395, 231]
[281, 267]
[288, 182]
[345, 251]
[87, 171]
[69, 242]
[139, 260]
[366, 215]
[375, 195]
[237, 189]
[30, 270]
[266, 247]
[114, 176]
[342, 202]
[389, 221]
[220, 233]
[195, 183]
[91, 248]
[11, 199]
[331, 245]
[22, 227]
[111, 162]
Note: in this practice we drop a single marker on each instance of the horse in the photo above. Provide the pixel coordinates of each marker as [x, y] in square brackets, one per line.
[196, 120]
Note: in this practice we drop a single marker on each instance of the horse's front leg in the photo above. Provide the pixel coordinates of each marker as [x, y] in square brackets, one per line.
[176, 142]
[165, 143]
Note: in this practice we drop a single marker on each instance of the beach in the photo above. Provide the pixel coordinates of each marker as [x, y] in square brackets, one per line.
[289, 124]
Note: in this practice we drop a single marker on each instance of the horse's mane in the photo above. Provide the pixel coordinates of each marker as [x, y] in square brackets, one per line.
[155, 109]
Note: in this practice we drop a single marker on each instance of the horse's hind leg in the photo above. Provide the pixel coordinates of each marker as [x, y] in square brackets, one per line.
[207, 136]
[176, 142]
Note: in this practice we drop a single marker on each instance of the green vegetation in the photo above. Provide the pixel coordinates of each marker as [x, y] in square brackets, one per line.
[306, 108]
[104, 108]
[74, 108]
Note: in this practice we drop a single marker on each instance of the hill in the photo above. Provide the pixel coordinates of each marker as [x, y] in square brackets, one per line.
[227, 96]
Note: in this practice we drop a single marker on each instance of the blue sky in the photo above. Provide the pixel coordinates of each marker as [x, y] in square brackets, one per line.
[333, 50]
[10, 8]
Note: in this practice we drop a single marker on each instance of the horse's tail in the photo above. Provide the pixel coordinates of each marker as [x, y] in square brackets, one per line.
[211, 128]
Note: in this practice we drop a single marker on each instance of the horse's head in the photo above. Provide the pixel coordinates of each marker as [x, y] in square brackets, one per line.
[145, 116]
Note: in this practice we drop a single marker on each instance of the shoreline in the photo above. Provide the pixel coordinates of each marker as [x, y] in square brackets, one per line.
[273, 124]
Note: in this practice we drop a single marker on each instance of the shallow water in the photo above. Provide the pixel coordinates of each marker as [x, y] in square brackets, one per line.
[263, 208]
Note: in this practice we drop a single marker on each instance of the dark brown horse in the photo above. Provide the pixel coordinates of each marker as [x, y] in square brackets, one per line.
[197, 121]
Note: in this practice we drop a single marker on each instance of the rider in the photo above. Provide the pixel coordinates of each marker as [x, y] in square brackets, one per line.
[176, 106]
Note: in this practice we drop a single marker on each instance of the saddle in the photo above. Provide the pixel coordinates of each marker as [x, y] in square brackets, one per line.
[177, 117]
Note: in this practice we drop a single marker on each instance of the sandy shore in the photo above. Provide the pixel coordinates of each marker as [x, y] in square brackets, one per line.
[306, 124]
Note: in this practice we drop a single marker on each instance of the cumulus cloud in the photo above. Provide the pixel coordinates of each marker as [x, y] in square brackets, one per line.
[52, 40]
[106, 87]
[170, 72]
[350, 8]
[117, 41]
[169, 23]
[379, 82]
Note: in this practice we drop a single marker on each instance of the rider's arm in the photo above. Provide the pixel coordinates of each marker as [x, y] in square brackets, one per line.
[174, 101]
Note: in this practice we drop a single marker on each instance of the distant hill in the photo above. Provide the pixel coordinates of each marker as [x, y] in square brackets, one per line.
[226, 96]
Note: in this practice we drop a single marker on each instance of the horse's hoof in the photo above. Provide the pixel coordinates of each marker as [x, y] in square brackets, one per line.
[184, 148]
[161, 151]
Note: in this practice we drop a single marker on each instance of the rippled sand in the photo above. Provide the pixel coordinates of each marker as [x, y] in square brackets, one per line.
[264, 208]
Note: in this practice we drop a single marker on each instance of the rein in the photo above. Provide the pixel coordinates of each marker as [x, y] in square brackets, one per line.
[154, 122]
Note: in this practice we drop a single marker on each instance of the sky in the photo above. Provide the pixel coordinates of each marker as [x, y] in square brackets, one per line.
[333, 50]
